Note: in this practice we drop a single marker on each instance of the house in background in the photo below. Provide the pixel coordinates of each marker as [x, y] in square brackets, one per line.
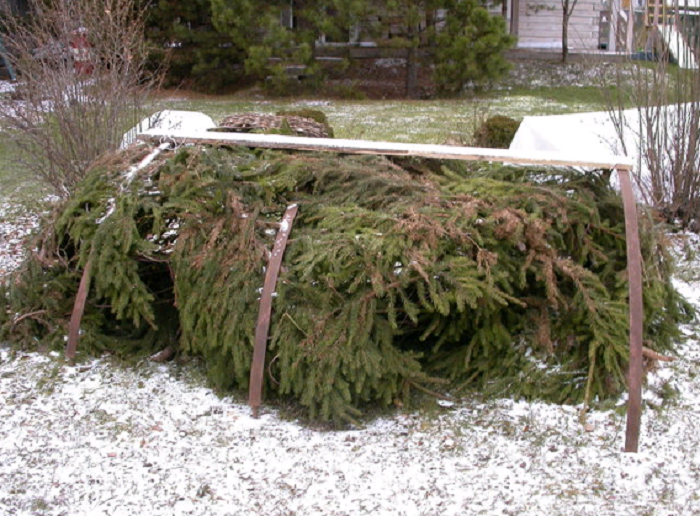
[616, 26]
[538, 24]
[627, 26]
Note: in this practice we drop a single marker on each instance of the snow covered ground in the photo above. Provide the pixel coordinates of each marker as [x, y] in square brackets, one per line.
[101, 439]
[15, 226]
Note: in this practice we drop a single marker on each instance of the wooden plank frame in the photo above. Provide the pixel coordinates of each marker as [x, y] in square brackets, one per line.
[77, 314]
[636, 312]
[343, 146]
[621, 164]
[263, 327]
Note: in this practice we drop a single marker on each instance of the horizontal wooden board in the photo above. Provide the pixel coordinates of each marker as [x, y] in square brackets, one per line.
[343, 146]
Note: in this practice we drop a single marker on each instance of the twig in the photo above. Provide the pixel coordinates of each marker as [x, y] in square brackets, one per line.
[432, 393]
[269, 370]
[650, 353]
[163, 355]
[28, 315]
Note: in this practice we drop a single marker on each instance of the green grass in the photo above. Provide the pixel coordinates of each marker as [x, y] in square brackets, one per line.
[16, 184]
[426, 121]
[521, 102]
[418, 121]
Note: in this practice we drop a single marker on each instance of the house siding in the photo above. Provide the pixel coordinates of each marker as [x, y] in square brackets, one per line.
[540, 24]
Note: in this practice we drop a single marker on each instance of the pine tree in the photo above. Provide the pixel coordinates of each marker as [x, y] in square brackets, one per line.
[469, 47]
[278, 35]
[200, 55]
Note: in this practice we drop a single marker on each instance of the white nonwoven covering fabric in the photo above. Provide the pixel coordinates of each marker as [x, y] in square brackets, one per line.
[596, 134]
[169, 120]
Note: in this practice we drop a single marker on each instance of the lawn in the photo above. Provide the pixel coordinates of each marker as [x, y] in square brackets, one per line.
[416, 121]
[419, 121]
[16, 186]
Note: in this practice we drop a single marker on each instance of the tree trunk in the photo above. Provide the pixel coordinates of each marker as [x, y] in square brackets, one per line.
[411, 72]
[565, 35]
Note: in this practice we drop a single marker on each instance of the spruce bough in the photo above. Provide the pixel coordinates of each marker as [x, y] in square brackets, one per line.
[399, 274]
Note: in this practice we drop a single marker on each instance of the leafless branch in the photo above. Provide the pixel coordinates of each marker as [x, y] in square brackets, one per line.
[82, 81]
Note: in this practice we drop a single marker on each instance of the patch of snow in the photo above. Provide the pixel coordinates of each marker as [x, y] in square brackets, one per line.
[14, 229]
[390, 62]
[146, 161]
[7, 86]
[314, 103]
[111, 206]
[99, 439]
[598, 134]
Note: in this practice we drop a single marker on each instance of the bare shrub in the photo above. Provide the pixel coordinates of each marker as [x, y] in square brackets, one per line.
[663, 130]
[82, 81]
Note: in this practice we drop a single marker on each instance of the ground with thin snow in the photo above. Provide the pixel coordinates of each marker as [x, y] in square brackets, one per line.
[103, 439]
[15, 227]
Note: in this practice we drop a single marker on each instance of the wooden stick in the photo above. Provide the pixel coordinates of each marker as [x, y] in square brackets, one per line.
[163, 355]
[77, 316]
[27, 316]
[276, 141]
[432, 393]
[634, 278]
[263, 328]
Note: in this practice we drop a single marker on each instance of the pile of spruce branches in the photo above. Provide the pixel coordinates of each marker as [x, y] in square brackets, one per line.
[400, 275]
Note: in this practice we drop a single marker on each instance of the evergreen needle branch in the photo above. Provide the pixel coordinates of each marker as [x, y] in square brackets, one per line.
[393, 280]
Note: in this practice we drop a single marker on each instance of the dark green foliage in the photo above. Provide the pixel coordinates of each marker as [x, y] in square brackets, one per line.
[475, 277]
[496, 132]
[280, 37]
[469, 48]
[460, 39]
[199, 56]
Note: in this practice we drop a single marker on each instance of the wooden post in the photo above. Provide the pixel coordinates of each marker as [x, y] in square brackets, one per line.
[634, 278]
[77, 315]
[263, 327]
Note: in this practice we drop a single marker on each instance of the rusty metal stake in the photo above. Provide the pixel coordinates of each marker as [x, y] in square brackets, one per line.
[634, 277]
[77, 315]
[263, 327]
